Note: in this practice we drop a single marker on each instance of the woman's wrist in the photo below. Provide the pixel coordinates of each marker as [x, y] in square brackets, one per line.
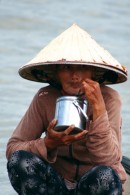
[97, 111]
[50, 144]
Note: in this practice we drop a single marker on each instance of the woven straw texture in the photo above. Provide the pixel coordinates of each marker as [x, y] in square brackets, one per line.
[73, 46]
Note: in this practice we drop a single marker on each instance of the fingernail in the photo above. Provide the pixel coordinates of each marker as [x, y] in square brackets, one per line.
[54, 120]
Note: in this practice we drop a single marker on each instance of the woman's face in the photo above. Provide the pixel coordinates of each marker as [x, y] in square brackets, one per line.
[71, 77]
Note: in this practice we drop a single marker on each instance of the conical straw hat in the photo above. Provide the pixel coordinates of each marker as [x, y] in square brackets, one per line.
[74, 46]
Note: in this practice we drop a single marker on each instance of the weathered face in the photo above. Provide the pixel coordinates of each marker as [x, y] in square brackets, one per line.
[71, 77]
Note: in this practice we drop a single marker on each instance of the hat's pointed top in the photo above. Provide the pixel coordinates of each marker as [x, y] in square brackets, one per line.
[75, 45]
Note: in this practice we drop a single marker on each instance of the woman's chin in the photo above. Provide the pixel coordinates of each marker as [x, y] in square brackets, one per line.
[74, 92]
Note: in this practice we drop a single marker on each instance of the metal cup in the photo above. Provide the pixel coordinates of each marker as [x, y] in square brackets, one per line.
[71, 110]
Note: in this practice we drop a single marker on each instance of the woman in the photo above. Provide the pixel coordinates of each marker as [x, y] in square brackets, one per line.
[88, 162]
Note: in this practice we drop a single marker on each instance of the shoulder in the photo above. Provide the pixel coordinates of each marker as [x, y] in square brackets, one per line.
[47, 93]
[110, 94]
[45, 99]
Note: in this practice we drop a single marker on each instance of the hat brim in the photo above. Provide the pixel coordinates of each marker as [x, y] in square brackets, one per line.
[45, 72]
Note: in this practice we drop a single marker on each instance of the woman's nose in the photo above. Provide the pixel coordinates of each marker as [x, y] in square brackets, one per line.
[76, 75]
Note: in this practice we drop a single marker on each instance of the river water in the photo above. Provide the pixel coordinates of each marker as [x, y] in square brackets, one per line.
[27, 26]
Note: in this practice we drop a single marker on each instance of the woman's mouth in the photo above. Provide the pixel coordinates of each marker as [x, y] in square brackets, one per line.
[75, 85]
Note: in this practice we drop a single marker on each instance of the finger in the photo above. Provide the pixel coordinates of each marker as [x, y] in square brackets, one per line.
[52, 124]
[69, 129]
[81, 134]
[76, 137]
[88, 89]
[90, 81]
[91, 86]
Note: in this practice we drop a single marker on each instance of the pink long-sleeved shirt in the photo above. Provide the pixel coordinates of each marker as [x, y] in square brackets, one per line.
[102, 144]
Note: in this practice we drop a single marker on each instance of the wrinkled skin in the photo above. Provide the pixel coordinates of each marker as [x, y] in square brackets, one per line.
[75, 79]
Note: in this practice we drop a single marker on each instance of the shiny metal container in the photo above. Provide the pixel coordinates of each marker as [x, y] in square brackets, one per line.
[71, 110]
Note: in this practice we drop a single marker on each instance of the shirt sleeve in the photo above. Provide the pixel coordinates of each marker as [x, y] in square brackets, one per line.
[104, 136]
[27, 135]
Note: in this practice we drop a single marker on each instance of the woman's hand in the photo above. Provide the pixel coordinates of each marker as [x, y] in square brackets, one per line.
[94, 96]
[55, 139]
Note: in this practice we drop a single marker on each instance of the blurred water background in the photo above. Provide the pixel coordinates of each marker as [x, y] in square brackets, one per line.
[27, 26]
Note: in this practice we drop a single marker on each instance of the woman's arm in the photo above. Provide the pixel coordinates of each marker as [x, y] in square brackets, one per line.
[104, 136]
[28, 132]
